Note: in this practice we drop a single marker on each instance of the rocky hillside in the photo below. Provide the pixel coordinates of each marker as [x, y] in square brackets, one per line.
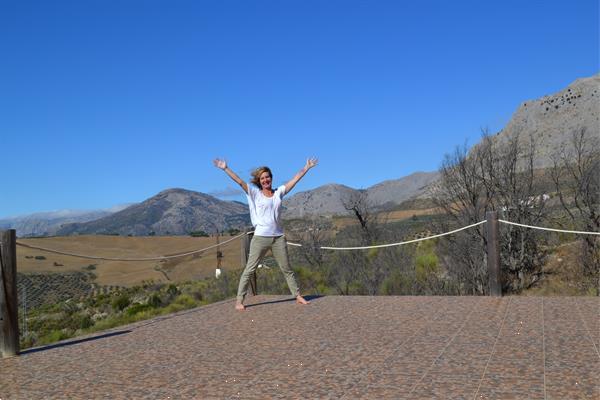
[327, 199]
[171, 212]
[553, 119]
[324, 200]
[393, 192]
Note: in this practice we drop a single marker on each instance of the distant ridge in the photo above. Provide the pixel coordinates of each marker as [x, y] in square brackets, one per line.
[170, 212]
[48, 223]
[327, 199]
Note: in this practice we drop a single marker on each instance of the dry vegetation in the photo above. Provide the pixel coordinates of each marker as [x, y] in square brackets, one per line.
[562, 273]
[128, 273]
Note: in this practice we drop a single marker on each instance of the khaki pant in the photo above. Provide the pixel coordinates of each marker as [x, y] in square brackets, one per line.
[258, 248]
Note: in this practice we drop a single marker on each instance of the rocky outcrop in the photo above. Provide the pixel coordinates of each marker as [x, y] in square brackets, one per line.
[552, 120]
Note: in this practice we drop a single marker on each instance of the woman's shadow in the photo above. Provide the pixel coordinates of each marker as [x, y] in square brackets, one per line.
[289, 300]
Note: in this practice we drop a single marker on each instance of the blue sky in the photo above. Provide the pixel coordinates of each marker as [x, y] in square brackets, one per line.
[110, 102]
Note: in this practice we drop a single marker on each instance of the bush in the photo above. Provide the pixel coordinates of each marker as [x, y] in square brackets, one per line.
[396, 284]
[185, 300]
[121, 302]
[198, 234]
[54, 336]
[137, 308]
[82, 322]
[40, 257]
[426, 261]
[154, 301]
[172, 291]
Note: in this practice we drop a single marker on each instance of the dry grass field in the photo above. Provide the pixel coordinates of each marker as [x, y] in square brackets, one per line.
[128, 273]
[388, 216]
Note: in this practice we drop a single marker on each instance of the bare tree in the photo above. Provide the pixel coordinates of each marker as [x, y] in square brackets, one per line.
[362, 268]
[358, 205]
[516, 191]
[494, 175]
[576, 177]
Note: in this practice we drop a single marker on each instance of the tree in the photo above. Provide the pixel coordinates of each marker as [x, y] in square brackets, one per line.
[493, 175]
[576, 177]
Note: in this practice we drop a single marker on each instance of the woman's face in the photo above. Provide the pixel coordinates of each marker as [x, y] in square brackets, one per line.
[265, 180]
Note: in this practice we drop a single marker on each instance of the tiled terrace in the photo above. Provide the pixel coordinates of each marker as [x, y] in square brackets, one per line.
[336, 347]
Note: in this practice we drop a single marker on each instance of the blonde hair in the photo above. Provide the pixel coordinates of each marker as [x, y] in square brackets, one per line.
[258, 172]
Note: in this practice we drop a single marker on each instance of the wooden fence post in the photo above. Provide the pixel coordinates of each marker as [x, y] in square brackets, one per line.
[493, 253]
[9, 318]
[245, 251]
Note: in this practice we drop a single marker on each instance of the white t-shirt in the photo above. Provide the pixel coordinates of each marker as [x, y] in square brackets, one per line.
[264, 211]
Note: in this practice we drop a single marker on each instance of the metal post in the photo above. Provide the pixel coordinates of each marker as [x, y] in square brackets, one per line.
[493, 253]
[9, 317]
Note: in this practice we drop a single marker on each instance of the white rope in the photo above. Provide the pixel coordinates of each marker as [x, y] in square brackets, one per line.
[549, 229]
[399, 243]
[129, 259]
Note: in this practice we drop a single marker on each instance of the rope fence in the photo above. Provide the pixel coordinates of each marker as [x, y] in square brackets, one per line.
[548, 229]
[160, 258]
[399, 243]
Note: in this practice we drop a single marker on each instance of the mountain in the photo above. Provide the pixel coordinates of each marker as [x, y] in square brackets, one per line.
[393, 192]
[47, 223]
[327, 199]
[324, 200]
[552, 120]
[171, 212]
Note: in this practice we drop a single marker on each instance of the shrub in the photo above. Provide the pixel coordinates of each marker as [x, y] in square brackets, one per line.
[154, 301]
[426, 261]
[137, 308]
[54, 336]
[121, 302]
[185, 300]
[82, 321]
[172, 291]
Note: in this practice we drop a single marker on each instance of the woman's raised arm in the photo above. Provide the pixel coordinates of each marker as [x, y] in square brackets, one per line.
[310, 162]
[222, 164]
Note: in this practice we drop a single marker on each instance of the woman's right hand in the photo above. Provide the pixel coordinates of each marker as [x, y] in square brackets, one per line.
[219, 163]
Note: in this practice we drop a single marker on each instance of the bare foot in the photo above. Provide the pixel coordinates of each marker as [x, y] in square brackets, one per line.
[239, 306]
[301, 300]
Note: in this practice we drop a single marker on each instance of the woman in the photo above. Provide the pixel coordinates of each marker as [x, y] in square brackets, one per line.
[265, 206]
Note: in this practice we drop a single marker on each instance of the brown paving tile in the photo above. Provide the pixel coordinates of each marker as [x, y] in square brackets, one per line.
[572, 359]
[511, 387]
[458, 387]
[572, 384]
[337, 347]
[383, 392]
